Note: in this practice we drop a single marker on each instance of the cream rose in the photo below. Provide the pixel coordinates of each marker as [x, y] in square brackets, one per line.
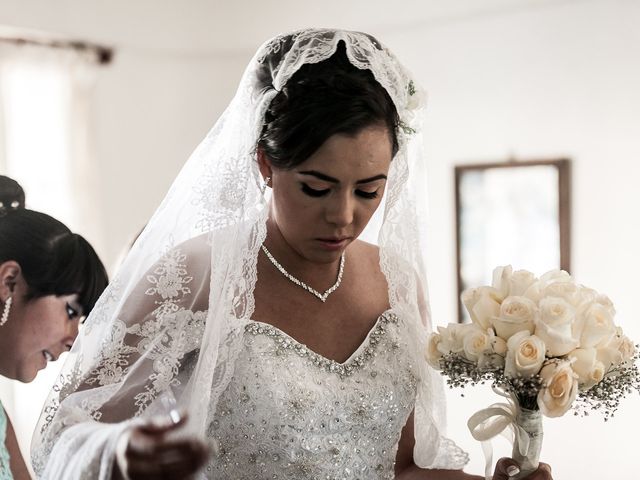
[627, 349]
[555, 276]
[520, 282]
[431, 354]
[560, 388]
[498, 345]
[555, 326]
[516, 314]
[618, 350]
[607, 303]
[451, 338]
[568, 291]
[585, 364]
[525, 355]
[501, 279]
[483, 304]
[475, 343]
[594, 325]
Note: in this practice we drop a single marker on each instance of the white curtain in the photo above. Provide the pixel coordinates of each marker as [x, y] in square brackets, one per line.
[45, 132]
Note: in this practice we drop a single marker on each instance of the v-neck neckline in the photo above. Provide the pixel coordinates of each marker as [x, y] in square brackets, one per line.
[343, 365]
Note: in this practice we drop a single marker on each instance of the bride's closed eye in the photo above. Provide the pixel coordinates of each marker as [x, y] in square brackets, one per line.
[313, 192]
[367, 195]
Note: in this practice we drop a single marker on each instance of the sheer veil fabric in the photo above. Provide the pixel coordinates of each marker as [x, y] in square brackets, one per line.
[172, 319]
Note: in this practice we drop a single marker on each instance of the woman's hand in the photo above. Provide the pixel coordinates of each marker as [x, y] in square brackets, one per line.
[148, 451]
[507, 468]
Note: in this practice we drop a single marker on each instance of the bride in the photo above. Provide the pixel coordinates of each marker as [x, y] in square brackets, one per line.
[293, 348]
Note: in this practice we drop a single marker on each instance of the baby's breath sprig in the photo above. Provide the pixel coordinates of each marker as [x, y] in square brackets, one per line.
[605, 396]
[524, 389]
[461, 372]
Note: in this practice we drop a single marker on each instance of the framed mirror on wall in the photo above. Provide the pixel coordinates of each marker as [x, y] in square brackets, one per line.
[512, 213]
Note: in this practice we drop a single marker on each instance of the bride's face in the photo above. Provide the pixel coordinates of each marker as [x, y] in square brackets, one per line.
[322, 205]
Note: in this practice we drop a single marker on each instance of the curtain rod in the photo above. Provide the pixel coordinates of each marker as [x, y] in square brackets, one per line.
[104, 55]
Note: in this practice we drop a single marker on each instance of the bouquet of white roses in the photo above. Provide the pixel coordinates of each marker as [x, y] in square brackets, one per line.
[547, 344]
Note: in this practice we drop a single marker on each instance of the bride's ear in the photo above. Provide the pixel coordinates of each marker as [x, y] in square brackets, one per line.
[10, 272]
[264, 164]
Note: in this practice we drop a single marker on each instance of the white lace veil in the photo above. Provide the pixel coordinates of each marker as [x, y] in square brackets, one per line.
[173, 316]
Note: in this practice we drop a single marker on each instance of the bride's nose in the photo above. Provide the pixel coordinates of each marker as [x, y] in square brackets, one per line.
[340, 210]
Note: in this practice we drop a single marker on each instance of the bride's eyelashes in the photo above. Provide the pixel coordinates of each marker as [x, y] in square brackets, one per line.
[312, 192]
[367, 195]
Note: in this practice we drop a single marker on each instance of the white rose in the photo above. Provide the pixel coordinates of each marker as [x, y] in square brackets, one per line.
[476, 342]
[594, 325]
[566, 290]
[516, 314]
[619, 349]
[521, 281]
[534, 292]
[482, 303]
[585, 364]
[607, 303]
[525, 355]
[555, 326]
[498, 344]
[501, 278]
[560, 388]
[451, 338]
[627, 349]
[555, 276]
[431, 354]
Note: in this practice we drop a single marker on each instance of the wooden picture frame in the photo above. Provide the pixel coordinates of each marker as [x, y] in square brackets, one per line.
[515, 212]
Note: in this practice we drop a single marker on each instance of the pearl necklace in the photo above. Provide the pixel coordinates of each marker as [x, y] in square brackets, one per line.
[300, 283]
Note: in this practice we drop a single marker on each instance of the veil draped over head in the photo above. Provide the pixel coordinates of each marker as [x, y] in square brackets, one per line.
[173, 317]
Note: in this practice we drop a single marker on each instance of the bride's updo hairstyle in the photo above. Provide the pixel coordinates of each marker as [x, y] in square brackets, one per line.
[320, 100]
[53, 260]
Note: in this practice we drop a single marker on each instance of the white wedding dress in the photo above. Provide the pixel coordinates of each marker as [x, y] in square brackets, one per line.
[289, 412]
[177, 317]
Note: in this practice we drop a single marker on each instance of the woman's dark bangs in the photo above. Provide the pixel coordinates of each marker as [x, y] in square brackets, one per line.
[79, 270]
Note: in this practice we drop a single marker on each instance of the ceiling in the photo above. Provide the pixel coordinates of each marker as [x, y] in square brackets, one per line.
[214, 26]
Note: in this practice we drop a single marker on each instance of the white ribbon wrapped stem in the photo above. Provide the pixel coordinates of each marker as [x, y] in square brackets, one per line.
[498, 419]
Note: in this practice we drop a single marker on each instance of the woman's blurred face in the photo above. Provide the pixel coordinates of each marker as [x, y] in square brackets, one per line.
[37, 331]
[322, 205]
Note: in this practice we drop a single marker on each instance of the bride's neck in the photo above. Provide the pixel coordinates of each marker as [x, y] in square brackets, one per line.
[293, 262]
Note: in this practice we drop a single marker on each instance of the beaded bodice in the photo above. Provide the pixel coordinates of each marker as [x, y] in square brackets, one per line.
[288, 412]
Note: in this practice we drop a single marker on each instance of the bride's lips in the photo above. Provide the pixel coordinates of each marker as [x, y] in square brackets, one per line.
[334, 243]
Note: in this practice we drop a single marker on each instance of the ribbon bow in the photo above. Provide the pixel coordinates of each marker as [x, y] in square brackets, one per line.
[498, 419]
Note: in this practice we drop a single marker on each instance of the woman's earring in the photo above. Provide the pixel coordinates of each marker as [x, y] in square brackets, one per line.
[5, 311]
[265, 185]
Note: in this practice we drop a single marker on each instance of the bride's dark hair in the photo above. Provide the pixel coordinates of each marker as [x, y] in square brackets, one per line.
[11, 195]
[53, 260]
[320, 100]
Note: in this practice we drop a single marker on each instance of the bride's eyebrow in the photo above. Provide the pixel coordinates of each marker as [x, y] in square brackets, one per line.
[327, 178]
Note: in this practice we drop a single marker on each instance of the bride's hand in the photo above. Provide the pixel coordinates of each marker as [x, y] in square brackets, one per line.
[507, 468]
[147, 451]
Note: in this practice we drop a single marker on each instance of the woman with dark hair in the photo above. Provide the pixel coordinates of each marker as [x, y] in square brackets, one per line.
[294, 346]
[50, 279]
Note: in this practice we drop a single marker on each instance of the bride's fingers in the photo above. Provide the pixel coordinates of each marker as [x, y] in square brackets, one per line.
[506, 468]
[163, 425]
[174, 463]
[164, 451]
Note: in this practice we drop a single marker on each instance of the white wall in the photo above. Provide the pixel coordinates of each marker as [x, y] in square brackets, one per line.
[152, 109]
[553, 82]
[557, 80]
